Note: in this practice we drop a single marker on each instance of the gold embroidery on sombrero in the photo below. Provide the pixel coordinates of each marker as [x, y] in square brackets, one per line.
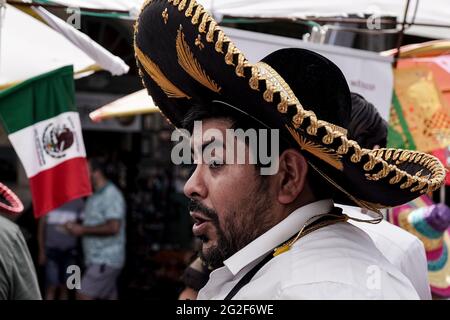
[313, 126]
[357, 152]
[387, 154]
[254, 81]
[343, 148]
[229, 54]
[182, 5]
[420, 186]
[211, 29]
[384, 172]
[199, 10]
[287, 96]
[268, 93]
[240, 67]
[202, 26]
[419, 173]
[158, 76]
[332, 133]
[398, 176]
[188, 12]
[270, 75]
[396, 154]
[219, 42]
[369, 165]
[198, 42]
[319, 151]
[400, 156]
[430, 163]
[146, 3]
[165, 16]
[409, 181]
[283, 105]
[425, 161]
[188, 62]
[335, 128]
[404, 156]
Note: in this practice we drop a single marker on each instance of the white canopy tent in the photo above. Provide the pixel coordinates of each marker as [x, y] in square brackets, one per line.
[118, 5]
[429, 11]
[132, 6]
[29, 48]
[136, 103]
[100, 55]
[26, 52]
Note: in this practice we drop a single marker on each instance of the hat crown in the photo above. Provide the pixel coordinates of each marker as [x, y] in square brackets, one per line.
[317, 82]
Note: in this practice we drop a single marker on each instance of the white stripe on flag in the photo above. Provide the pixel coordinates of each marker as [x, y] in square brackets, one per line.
[44, 145]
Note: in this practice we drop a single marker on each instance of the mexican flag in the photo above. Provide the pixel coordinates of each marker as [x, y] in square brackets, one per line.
[44, 128]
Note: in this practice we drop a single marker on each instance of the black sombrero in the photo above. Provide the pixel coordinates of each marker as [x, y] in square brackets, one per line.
[185, 59]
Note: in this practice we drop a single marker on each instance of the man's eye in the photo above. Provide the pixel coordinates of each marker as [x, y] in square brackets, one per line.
[214, 164]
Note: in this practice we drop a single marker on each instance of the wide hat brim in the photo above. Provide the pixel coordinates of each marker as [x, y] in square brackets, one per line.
[185, 59]
[439, 268]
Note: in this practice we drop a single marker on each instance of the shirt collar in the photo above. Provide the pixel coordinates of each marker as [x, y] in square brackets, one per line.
[276, 235]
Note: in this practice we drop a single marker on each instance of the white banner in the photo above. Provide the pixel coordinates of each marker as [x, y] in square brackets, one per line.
[367, 73]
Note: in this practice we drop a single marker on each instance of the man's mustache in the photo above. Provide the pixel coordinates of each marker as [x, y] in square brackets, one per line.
[195, 205]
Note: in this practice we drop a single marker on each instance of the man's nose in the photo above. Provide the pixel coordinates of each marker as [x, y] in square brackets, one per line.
[195, 186]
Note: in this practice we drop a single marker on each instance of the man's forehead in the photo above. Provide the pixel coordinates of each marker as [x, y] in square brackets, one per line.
[210, 129]
[216, 123]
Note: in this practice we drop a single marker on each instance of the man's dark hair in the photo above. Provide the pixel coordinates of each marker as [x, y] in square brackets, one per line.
[319, 187]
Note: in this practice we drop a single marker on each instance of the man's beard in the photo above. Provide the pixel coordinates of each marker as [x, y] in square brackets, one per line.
[241, 226]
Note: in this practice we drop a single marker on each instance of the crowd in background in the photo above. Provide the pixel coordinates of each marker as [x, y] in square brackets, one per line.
[157, 239]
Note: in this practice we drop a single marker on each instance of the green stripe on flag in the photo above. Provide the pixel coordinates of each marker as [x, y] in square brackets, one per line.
[37, 99]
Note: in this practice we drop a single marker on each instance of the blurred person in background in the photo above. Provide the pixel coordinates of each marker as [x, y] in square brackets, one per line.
[401, 248]
[103, 236]
[58, 248]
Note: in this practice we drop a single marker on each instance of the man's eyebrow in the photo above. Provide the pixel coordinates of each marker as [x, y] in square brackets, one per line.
[207, 143]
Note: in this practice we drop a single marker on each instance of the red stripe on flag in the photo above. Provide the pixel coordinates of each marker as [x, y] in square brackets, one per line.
[53, 187]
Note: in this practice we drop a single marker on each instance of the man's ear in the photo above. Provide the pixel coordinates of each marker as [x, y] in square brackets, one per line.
[292, 175]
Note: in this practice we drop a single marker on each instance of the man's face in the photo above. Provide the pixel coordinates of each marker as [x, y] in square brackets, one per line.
[230, 203]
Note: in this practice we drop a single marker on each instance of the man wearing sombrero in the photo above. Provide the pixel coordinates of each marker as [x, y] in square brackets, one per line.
[278, 236]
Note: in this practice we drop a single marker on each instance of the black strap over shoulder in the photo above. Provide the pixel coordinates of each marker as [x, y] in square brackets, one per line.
[248, 276]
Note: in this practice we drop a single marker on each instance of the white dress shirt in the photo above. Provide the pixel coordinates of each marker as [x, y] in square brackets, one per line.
[401, 248]
[338, 261]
